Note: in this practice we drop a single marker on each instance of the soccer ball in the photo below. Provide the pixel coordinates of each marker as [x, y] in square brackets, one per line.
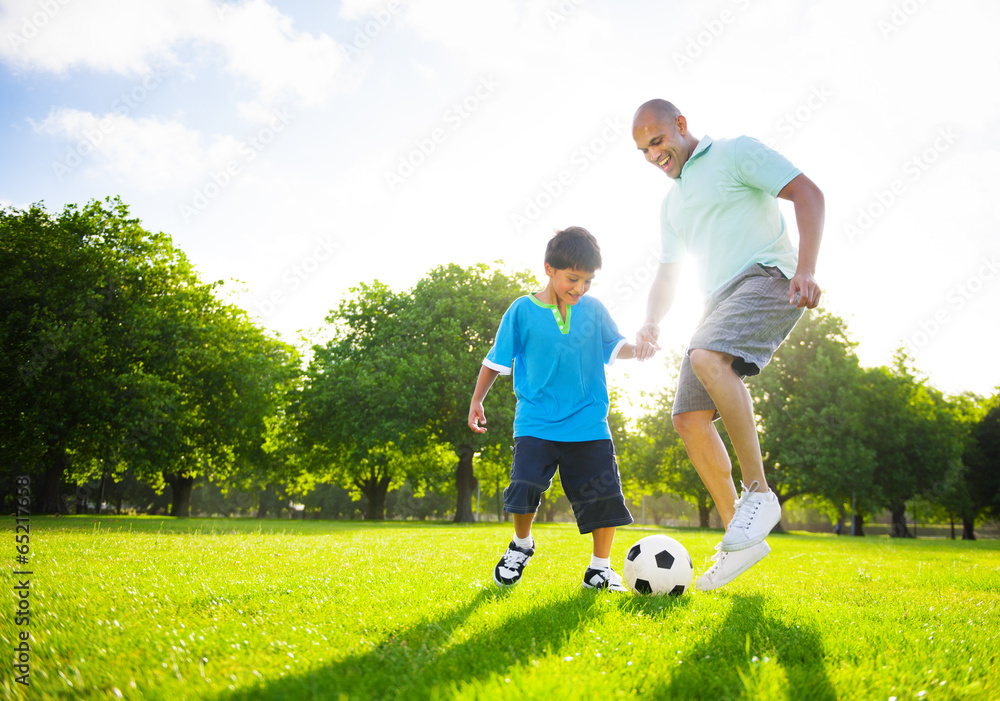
[658, 564]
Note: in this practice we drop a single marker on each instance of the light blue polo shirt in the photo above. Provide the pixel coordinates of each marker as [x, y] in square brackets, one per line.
[722, 210]
[559, 379]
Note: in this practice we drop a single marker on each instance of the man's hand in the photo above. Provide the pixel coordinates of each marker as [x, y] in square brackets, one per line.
[646, 342]
[477, 415]
[803, 285]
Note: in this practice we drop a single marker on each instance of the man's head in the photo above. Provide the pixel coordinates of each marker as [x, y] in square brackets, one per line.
[572, 257]
[660, 132]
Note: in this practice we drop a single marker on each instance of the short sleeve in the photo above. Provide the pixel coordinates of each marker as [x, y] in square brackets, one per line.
[611, 339]
[505, 345]
[672, 246]
[762, 167]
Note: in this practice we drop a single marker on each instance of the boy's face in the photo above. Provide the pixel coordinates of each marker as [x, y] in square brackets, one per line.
[569, 284]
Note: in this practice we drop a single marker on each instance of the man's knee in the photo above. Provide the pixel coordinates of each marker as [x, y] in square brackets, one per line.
[709, 364]
[693, 423]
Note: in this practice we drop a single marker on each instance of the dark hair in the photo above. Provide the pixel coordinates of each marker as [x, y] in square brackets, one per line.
[573, 247]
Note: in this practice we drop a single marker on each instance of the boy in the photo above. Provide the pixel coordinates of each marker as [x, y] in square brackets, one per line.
[557, 342]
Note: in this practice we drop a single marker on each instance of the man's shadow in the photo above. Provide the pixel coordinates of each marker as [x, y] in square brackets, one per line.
[710, 670]
[422, 659]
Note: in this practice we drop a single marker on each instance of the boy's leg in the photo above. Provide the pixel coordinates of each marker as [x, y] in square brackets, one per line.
[603, 538]
[600, 575]
[522, 524]
[531, 473]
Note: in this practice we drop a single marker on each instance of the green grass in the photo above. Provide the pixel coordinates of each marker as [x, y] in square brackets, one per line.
[147, 608]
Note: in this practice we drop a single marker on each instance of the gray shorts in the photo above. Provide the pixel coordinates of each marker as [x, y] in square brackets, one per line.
[748, 318]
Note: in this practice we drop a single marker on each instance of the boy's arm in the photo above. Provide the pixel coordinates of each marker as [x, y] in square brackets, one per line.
[661, 298]
[627, 351]
[483, 384]
[809, 215]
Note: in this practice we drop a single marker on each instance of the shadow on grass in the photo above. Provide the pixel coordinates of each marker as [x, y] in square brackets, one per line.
[722, 667]
[423, 661]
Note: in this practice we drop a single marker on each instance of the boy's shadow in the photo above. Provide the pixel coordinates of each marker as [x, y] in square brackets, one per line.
[412, 662]
[709, 671]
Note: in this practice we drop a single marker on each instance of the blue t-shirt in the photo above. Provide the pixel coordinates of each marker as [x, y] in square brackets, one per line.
[722, 210]
[559, 380]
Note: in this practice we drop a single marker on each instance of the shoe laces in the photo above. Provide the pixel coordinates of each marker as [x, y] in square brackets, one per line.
[745, 510]
[513, 558]
[717, 559]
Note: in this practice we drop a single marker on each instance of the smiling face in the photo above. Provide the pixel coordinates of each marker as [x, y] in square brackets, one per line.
[664, 141]
[568, 284]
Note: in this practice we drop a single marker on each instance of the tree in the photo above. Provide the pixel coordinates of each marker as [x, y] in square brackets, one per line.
[124, 360]
[981, 477]
[915, 434]
[452, 321]
[811, 408]
[359, 410]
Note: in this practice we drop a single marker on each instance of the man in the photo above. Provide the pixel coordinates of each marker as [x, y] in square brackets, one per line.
[722, 210]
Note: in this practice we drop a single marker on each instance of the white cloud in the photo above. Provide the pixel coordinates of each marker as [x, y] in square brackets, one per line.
[260, 43]
[150, 154]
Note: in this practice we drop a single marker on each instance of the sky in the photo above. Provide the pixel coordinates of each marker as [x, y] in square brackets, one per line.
[296, 149]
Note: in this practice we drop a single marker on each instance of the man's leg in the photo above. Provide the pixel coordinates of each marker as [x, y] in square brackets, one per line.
[709, 456]
[732, 398]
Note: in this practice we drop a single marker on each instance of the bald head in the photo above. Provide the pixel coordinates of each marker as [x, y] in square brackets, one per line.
[660, 132]
[659, 110]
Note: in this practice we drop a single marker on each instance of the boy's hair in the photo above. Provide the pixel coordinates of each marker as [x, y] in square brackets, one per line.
[573, 247]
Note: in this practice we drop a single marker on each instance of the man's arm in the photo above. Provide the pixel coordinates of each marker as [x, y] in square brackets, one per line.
[809, 216]
[661, 298]
[483, 384]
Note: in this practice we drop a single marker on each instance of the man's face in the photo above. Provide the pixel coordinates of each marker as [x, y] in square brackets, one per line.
[662, 142]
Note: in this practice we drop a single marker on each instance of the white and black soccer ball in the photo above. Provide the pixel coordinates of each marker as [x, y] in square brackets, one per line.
[658, 564]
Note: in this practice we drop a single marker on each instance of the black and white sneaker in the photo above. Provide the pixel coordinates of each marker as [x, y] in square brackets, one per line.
[508, 571]
[603, 579]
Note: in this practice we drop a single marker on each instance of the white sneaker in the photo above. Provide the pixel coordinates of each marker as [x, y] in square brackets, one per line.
[730, 565]
[756, 514]
[603, 579]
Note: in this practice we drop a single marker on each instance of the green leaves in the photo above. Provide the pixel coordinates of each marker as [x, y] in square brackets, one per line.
[117, 354]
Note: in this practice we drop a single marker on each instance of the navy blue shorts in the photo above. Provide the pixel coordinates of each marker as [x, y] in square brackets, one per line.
[588, 472]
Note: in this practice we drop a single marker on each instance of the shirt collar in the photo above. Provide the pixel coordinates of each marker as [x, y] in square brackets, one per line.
[703, 145]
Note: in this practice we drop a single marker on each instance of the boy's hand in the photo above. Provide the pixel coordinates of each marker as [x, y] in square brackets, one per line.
[645, 342]
[477, 415]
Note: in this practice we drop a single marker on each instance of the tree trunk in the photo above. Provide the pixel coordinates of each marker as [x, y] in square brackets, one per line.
[55, 469]
[266, 498]
[704, 510]
[899, 529]
[375, 490]
[951, 520]
[968, 529]
[181, 485]
[465, 480]
[859, 525]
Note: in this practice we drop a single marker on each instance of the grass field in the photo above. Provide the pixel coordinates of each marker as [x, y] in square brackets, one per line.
[149, 608]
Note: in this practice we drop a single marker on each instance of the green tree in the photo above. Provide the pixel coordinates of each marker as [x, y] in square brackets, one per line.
[451, 324]
[915, 434]
[360, 408]
[981, 477]
[810, 403]
[124, 360]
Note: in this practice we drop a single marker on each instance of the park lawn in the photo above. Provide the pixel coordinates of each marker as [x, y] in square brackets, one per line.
[159, 608]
